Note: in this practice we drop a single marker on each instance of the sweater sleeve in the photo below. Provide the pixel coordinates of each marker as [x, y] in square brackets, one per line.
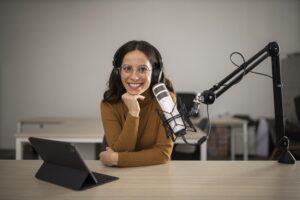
[119, 138]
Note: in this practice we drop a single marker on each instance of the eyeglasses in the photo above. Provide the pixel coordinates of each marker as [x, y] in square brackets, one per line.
[141, 69]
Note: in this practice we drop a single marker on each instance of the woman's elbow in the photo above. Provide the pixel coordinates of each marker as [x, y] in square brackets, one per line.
[164, 157]
[165, 160]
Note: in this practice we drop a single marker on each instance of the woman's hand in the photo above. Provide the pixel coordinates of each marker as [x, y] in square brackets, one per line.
[132, 103]
[109, 157]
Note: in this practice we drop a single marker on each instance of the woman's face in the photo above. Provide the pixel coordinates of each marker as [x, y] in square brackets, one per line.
[136, 72]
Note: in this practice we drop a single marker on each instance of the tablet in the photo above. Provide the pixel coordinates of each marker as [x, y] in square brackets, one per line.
[64, 166]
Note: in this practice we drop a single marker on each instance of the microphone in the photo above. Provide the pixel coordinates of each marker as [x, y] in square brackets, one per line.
[173, 119]
[206, 97]
[195, 109]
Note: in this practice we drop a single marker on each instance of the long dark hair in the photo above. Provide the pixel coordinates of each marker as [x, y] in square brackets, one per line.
[115, 87]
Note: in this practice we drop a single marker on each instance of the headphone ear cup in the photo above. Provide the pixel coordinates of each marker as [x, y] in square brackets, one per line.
[116, 73]
[156, 76]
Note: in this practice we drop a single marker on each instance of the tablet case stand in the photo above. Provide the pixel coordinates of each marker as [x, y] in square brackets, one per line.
[65, 176]
[64, 166]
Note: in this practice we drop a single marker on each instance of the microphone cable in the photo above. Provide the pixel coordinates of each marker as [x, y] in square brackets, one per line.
[209, 122]
[205, 138]
[254, 72]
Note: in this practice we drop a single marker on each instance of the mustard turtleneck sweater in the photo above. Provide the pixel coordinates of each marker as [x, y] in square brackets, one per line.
[139, 140]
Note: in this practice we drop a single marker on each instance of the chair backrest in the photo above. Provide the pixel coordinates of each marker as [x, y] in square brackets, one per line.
[187, 99]
[104, 144]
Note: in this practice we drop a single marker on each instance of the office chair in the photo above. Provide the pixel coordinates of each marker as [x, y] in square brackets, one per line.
[104, 144]
[187, 98]
[100, 147]
[186, 151]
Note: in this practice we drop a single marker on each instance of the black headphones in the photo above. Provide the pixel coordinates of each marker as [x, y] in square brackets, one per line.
[156, 71]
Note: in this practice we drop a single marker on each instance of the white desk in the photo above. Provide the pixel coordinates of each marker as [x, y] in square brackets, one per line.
[76, 131]
[233, 122]
[234, 180]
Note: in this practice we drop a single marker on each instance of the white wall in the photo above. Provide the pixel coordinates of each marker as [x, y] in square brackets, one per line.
[55, 56]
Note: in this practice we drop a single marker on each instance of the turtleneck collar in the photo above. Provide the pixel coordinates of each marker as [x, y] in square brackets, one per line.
[148, 97]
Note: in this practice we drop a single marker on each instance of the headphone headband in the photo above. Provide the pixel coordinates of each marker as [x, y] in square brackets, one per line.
[157, 70]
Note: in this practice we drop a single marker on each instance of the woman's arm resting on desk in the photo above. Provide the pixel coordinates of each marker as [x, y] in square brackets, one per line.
[109, 157]
[160, 153]
[120, 139]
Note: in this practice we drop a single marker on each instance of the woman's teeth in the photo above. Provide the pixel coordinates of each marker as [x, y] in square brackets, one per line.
[134, 85]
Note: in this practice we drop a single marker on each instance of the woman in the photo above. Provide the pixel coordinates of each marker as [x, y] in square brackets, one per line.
[133, 129]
